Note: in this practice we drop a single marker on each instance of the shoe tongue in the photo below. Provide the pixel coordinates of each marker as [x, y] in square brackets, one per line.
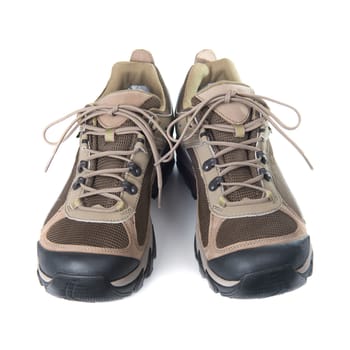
[233, 112]
[137, 96]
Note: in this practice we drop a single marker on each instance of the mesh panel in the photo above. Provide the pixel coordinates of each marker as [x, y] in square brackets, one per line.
[202, 202]
[250, 228]
[101, 235]
[143, 205]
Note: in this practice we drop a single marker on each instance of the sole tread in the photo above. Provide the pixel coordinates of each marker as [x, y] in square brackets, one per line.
[260, 284]
[95, 288]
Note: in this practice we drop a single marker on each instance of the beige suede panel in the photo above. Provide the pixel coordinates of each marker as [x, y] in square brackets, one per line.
[141, 56]
[133, 250]
[233, 112]
[123, 73]
[124, 97]
[215, 223]
[222, 69]
[205, 56]
[211, 251]
[195, 76]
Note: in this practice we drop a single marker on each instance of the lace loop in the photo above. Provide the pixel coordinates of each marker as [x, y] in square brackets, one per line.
[264, 115]
[143, 119]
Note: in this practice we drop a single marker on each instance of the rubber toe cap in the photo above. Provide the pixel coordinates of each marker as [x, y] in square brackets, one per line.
[234, 266]
[111, 267]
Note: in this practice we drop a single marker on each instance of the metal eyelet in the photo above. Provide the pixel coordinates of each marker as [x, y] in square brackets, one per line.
[134, 169]
[209, 164]
[263, 129]
[139, 139]
[264, 133]
[215, 183]
[205, 133]
[82, 165]
[129, 187]
[78, 183]
[262, 156]
[267, 175]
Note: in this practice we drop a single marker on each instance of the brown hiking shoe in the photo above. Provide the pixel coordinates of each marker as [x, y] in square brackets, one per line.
[251, 239]
[97, 242]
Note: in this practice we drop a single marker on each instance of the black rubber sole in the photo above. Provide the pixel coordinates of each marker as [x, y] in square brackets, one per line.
[260, 284]
[95, 288]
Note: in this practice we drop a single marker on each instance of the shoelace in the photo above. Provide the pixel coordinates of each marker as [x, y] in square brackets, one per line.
[145, 123]
[196, 121]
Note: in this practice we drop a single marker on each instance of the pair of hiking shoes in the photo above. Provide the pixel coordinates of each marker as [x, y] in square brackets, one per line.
[98, 242]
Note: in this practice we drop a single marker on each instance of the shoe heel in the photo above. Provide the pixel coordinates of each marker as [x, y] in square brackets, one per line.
[184, 164]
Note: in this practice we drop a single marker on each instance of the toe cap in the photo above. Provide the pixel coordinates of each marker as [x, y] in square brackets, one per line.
[234, 266]
[112, 267]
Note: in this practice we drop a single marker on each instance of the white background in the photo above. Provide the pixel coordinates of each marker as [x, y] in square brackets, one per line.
[56, 57]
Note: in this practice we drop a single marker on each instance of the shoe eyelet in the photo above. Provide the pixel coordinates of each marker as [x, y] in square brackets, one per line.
[134, 169]
[215, 183]
[209, 164]
[82, 166]
[129, 187]
[78, 183]
[139, 139]
[267, 175]
[261, 156]
[205, 133]
[263, 129]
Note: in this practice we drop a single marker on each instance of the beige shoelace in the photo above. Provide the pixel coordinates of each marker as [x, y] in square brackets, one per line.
[146, 123]
[196, 122]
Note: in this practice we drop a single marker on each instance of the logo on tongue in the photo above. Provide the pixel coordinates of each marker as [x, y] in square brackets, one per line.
[139, 88]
